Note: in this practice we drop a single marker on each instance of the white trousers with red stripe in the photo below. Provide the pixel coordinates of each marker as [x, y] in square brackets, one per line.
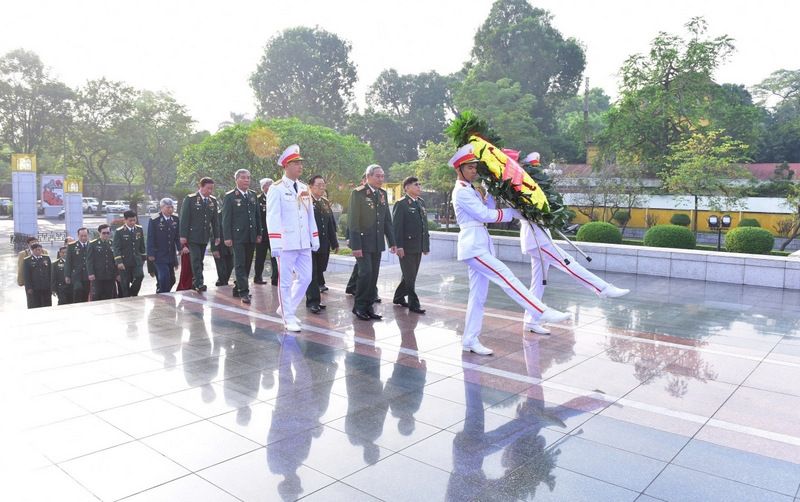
[482, 270]
[552, 256]
[294, 276]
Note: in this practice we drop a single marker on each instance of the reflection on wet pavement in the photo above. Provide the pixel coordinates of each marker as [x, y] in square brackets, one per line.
[680, 391]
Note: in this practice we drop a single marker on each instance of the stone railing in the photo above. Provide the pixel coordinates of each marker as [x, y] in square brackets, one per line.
[711, 266]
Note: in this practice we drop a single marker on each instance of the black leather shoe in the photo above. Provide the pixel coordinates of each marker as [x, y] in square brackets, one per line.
[402, 303]
[323, 288]
[202, 288]
[274, 283]
[350, 291]
[315, 309]
[246, 299]
[362, 315]
[416, 310]
[220, 283]
[377, 300]
[373, 315]
[323, 307]
[259, 280]
[235, 294]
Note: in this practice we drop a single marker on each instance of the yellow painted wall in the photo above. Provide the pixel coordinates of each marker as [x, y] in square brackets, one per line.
[638, 217]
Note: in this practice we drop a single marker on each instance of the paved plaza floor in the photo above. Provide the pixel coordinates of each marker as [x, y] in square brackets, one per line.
[680, 391]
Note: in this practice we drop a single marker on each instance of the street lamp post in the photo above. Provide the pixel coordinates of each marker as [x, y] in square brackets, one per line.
[717, 223]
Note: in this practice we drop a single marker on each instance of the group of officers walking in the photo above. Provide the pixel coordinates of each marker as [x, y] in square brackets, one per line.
[293, 222]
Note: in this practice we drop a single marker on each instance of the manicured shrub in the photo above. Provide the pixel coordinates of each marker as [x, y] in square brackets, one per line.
[680, 219]
[749, 240]
[622, 217]
[670, 236]
[599, 231]
[749, 222]
[432, 225]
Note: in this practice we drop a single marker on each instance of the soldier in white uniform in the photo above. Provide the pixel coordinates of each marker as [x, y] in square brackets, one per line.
[537, 242]
[292, 234]
[476, 250]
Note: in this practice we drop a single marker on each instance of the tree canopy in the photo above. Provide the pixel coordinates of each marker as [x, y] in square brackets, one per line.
[306, 73]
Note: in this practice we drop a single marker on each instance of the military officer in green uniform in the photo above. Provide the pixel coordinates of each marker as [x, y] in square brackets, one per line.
[101, 265]
[75, 271]
[37, 277]
[241, 229]
[410, 223]
[326, 226]
[59, 284]
[199, 225]
[129, 255]
[370, 222]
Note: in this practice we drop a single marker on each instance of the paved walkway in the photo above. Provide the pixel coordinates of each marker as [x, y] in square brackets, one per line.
[681, 391]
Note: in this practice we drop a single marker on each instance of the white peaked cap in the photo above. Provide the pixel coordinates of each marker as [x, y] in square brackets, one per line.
[288, 155]
[532, 158]
[464, 154]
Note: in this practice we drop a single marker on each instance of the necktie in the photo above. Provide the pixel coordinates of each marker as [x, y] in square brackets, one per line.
[295, 186]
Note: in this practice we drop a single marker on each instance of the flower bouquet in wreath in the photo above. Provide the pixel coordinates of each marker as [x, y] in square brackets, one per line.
[530, 191]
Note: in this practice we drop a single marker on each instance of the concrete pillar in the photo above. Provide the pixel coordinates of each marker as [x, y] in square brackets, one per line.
[23, 194]
[73, 205]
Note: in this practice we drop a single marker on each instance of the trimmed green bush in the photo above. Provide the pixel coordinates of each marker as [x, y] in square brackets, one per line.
[749, 222]
[599, 231]
[680, 219]
[432, 225]
[670, 236]
[622, 217]
[749, 240]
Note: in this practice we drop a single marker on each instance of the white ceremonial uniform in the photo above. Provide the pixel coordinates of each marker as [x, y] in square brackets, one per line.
[293, 234]
[475, 248]
[533, 240]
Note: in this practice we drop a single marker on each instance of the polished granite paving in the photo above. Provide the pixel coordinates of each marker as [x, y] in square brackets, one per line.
[680, 391]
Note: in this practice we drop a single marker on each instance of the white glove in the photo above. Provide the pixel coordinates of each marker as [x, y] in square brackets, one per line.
[514, 213]
[275, 252]
[314, 248]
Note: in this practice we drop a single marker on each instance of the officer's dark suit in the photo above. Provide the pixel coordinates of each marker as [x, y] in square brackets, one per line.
[410, 224]
[36, 272]
[163, 242]
[326, 226]
[101, 264]
[75, 269]
[261, 249]
[58, 285]
[242, 224]
[198, 225]
[369, 223]
[223, 262]
[129, 250]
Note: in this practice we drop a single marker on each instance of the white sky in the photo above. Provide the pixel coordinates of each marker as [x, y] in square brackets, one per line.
[204, 51]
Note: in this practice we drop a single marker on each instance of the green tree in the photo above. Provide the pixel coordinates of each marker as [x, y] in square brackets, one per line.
[432, 169]
[520, 43]
[102, 109]
[707, 164]
[509, 110]
[781, 139]
[793, 201]
[306, 73]
[388, 136]
[665, 96]
[569, 144]
[34, 106]
[256, 146]
[155, 135]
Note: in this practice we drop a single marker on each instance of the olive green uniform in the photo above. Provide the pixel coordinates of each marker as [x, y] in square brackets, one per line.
[199, 225]
[410, 224]
[242, 223]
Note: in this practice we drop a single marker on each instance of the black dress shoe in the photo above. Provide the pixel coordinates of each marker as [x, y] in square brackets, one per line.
[220, 283]
[202, 287]
[416, 310]
[402, 303]
[362, 315]
[350, 291]
[323, 288]
[376, 300]
[373, 315]
[323, 307]
[246, 299]
[315, 309]
[235, 293]
[259, 280]
[274, 283]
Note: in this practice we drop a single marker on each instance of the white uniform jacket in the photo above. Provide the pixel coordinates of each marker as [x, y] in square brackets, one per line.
[471, 216]
[529, 239]
[290, 217]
